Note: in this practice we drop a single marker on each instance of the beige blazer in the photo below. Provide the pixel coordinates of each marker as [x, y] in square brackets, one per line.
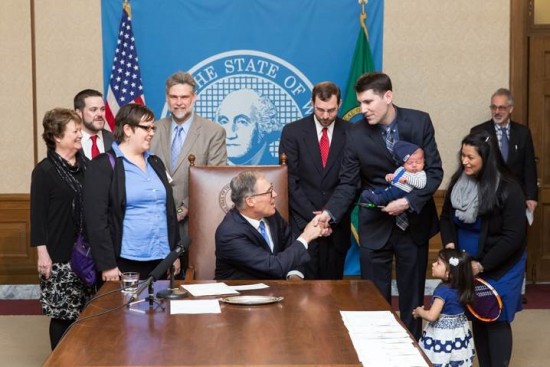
[205, 140]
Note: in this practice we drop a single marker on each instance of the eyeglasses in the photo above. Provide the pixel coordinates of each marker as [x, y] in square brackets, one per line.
[270, 192]
[147, 127]
[498, 108]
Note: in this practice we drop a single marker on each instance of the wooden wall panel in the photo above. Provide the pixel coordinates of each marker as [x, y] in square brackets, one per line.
[17, 258]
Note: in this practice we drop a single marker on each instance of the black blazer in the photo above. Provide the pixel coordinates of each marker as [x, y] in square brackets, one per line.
[104, 195]
[521, 157]
[242, 252]
[309, 184]
[502, 236]
[366, 162]
[107, 139]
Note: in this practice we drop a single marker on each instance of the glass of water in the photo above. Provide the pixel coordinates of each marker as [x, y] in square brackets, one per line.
[130, 282]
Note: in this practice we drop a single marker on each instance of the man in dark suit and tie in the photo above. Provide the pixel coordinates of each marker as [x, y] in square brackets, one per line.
[402, 228]
[314, 148]
[515, 143]
[90, 106]
[253, 241]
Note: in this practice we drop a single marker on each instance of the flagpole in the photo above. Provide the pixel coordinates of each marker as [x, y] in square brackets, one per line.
[363, 17]
[125, 83]
[127, 8]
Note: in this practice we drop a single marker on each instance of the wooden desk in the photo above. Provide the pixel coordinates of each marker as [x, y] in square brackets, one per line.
[304, 329]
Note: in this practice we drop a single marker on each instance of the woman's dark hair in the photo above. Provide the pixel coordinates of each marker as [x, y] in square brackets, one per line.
[493, 170]
[461, 277]
[54, 124]
[131, 114]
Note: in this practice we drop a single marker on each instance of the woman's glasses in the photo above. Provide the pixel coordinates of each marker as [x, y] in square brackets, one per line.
[147, 127]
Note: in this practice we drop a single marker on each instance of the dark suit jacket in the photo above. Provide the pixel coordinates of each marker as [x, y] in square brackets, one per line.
[309, 184]
[242, 252]
[366, 162]
[104, 195]
[502, 235]
[107, 139]
[521, 157]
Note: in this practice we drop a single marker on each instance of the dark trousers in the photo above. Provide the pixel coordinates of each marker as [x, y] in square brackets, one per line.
[144, 268]
[327, 261]
[410, 267]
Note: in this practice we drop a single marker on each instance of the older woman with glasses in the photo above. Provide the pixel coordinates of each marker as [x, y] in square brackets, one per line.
[56, 219]
[129, 210]
[254, 241]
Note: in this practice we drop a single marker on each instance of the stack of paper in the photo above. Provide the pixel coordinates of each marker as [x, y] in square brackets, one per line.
[380, 340]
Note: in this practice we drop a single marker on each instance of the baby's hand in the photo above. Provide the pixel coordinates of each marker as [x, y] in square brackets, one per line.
[403, 180]
[389, 177]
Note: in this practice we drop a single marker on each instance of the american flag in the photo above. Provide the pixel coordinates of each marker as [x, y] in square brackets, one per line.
[125, 85]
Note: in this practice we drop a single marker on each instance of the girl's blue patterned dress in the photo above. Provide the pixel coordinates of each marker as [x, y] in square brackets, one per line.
[448, 341]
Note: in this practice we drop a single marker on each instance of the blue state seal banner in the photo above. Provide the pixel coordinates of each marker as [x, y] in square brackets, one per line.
[255, 61]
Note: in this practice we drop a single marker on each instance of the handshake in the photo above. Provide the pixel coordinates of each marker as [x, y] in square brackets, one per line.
[317, 227]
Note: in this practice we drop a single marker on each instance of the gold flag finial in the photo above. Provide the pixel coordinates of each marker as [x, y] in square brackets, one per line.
[363, 17]
[127, 8]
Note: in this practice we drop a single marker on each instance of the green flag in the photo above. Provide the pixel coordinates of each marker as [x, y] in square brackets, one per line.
[362, 63]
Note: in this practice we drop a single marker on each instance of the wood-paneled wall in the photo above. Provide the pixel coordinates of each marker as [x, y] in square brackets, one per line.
[17, 258]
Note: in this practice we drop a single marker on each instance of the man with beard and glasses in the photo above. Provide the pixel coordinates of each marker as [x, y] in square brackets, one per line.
[90, 106]
[181, 134]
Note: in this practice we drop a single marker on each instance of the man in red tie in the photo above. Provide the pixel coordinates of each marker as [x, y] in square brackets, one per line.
[89, 105]
[314, 147]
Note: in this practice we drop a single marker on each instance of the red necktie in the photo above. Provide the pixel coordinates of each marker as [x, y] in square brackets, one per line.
[95, 149]
[324, 146]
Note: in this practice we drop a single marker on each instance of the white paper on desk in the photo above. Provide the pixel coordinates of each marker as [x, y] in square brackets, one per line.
[368, 318]
[195, 306]
[530, 216]
[249, 287]
[209, 289]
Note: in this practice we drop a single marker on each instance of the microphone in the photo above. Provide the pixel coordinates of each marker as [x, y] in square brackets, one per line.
[160, 269]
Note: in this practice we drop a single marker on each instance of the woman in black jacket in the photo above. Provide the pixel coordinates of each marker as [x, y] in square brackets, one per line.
[129, 210]
[484, 215]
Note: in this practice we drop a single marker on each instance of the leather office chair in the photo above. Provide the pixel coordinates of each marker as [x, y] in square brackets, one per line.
[209, 201]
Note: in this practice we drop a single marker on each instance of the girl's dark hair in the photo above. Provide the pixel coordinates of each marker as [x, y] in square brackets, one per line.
[492, 173]
[461, 277]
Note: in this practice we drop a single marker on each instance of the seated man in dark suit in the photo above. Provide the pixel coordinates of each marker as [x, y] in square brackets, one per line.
[253, 241]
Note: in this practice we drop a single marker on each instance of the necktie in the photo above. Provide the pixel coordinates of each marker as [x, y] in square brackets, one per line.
[263, 232]
[402, 221]
[95, 148]
[176, 145]
[504, 144]
[324, 147]
[389, 140]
